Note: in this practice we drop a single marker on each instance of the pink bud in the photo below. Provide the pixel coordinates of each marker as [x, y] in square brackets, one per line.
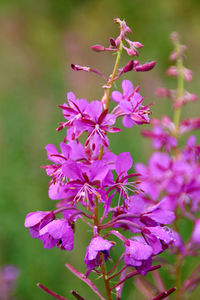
[163, 92]
[80, 68]
[172, 71]
[178, 53]
[174, 37]
[187, 74]
[191, 97]
[138, 45]
[189, 124]
[134, 44]
[112, 42]
[98, 48]
[137, 89]
[128, 67]
[146, 67]
[136, 63]
[173, 56]
[124, 28]
[187, 97]
[117, 20]
[132, 52]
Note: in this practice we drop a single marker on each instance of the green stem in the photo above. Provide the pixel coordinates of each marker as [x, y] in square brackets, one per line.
[112, 77]
[180, 93]
[103, 266]
[178, 276]
[96, 217]
[105, 278]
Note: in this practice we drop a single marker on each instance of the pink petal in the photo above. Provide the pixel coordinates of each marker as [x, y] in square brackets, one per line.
[127, 87]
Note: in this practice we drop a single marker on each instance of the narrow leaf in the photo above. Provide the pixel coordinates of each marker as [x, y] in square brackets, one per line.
[85, 279]
[48, 291]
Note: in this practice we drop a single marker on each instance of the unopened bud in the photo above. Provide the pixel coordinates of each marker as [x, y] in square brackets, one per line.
[128, 67]
[137, 89]
[187, 74]
[80, 68]
[172, 71]
[112, 42]
[98, 48]
[174, 37]
[136, 63]
[134, 44]
[138, 45]
[117, 20]
[174, 55]
[132, 52]
[163, 92]
[191, 97]
[146, 67]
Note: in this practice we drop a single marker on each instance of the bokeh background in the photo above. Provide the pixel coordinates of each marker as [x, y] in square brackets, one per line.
[38, 41]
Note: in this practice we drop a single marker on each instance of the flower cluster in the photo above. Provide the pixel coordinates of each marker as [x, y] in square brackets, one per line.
[86, 175]
[171, 178]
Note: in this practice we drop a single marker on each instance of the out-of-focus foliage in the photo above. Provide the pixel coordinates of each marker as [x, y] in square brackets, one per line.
[38, 41]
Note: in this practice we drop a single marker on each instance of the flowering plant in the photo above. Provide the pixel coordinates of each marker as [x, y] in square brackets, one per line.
[136, 206]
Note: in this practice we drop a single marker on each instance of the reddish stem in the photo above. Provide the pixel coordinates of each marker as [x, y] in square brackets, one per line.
[122, 269]
[134, 273]
[165, 294]
[48, 291]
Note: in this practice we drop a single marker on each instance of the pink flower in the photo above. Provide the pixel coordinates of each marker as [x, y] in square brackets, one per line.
[138, 254]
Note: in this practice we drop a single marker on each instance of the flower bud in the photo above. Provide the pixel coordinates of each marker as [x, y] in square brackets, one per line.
[98, 48]
[174, 37]
[128, 67]
[112, 42]
[80, 68]
[163, 93]
[146, 67]
[172, 71]
[187, 74]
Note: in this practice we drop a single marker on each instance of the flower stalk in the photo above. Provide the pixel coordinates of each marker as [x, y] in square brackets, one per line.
[135, 203]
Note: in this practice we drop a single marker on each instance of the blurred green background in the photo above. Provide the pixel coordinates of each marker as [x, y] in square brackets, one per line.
[38, 41]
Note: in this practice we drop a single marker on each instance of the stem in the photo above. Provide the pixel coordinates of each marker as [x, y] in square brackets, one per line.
[96, 217]
[103, 266]
[105, 279]
[180, 92]
[116, 274]
[178, 276]
[126, 222]
[115, 266]
[165, 294]
[112, 78]
[134, 273]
